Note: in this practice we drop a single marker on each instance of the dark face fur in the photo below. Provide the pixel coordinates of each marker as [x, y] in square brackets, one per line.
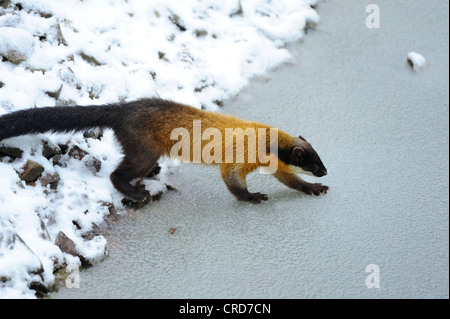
[304, 156]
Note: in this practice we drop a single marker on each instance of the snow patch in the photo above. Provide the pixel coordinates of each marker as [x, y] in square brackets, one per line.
[417, 61]
[16, 45]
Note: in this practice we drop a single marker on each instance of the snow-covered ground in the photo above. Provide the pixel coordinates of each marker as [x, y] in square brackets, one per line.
[198, 52]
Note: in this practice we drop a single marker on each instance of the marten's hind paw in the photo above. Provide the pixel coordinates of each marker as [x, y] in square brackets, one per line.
[140, 194]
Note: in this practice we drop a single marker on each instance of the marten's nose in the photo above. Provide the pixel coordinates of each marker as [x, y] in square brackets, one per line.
[321, 172]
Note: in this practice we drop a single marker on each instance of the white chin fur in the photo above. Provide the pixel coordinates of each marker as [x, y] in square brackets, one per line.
[299, 170]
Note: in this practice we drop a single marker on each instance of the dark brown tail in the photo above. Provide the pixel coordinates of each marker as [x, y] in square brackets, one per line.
[62, 119]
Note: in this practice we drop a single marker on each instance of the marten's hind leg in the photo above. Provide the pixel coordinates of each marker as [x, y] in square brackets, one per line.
[139, 160]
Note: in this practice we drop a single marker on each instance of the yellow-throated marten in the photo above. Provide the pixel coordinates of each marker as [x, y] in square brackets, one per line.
[145, 129]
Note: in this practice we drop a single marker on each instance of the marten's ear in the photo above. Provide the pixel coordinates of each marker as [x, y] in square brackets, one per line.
[302, 138]
[298, 155]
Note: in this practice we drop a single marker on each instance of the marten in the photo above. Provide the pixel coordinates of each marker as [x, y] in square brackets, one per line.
[144, 128]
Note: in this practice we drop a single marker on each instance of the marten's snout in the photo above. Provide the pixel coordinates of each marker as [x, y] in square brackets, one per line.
[320, 171]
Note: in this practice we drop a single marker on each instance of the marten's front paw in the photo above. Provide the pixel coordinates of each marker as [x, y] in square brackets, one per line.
[315, 189]
[255, 198]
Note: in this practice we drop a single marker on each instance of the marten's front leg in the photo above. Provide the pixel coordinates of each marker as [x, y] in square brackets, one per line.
[294, 181]
[234, 177]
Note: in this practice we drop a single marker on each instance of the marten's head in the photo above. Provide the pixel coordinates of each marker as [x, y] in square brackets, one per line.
[302, 156]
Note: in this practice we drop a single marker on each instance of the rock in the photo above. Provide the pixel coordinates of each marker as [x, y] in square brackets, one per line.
[55, 34]
[12, 245]
[201, 33]
[13, 152]
[238, 11]
[96, 231]
[218, 102]
[170, 188]
[77, 153]
[2, 84]
[36, 69]
[16, 45]
[56, 160]
[55, 94]
[52, 179]
[162, 56]
[175, 19]
[94, 165]
[31, 171]
[113, 215]
[4, 3]
[44, 235]
[64, 148]
[50, 151]
[90, 59]
[95, 134]
[66, 244]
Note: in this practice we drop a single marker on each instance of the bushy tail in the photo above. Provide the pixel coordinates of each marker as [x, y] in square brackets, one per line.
[62, 119]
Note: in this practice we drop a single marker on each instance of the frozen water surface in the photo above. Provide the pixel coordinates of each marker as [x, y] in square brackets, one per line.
[382, 131]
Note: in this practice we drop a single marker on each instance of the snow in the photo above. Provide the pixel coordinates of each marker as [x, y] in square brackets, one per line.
[16, 41]
[94, 52]
[416, 60]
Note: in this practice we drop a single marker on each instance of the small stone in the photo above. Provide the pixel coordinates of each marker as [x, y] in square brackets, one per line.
[51, 179]
[94, 165]
[113, 215]
[55, 94]
[90, 59]
[238, 11]
[162, 56]
[175, 19]
[64, 148]
[201, 33]
[94, 134]
[16, 45]
[55, 34]
[31, 171]
[13, 152]
[77, 153]
[66, 244]
[4, 3]
[44, 235]
[49, 151]
[56, 160]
